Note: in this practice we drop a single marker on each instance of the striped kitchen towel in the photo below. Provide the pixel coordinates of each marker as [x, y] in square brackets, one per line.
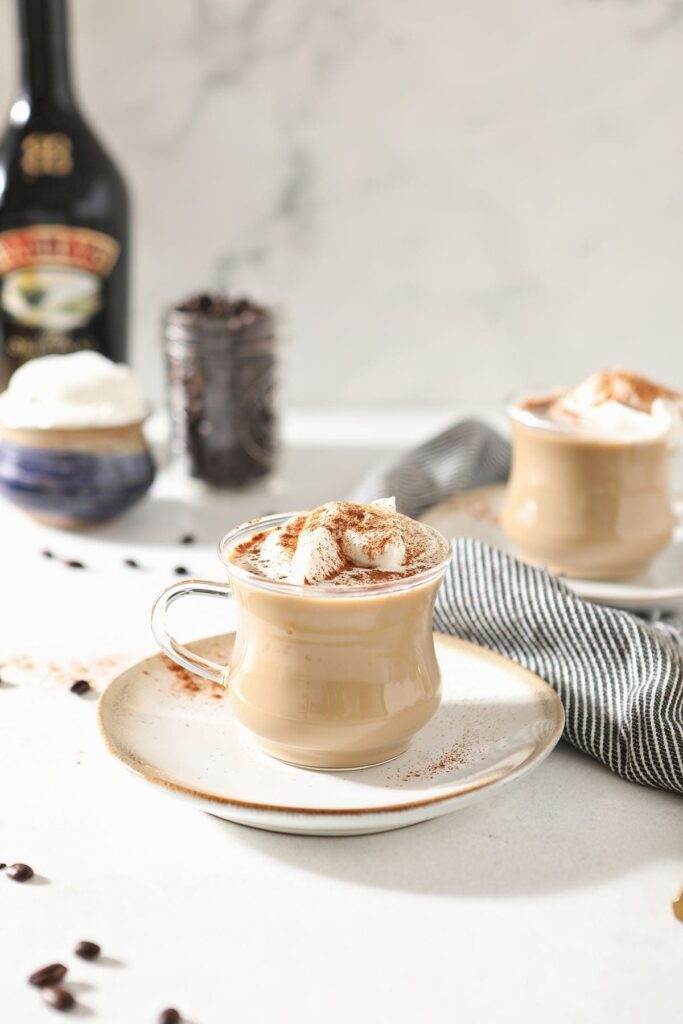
[468, 454]
[619, 677]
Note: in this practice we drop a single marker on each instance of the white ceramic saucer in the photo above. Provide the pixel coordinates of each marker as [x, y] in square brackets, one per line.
[497, 721]
[476, 514]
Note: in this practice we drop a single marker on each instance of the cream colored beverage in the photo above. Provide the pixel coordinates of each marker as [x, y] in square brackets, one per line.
[333, 664]
[589, 493]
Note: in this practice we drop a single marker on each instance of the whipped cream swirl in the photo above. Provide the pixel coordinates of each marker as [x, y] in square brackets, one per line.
[615, 405]
[344, 543]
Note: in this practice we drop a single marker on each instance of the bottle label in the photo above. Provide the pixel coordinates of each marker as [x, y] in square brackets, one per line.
[47, 154]
[51, 288]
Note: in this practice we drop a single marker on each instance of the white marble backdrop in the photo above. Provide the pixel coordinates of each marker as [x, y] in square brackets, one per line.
[451, 199]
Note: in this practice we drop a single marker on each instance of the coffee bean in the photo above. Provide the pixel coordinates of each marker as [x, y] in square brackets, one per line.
[48, 976]
[58, 998]
[131, 563]
[87, 950]
[169, 1016]
[80, 687]
[3, 866]
[19, 872]
[180, 570]
[47, 554]
[73, 564]
[188, 538]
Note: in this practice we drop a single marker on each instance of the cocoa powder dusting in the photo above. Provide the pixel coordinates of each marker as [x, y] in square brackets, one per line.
[453, 757]
[623, 386]
[250, 545]
[378, 527]
[99, 672]
[186, 682]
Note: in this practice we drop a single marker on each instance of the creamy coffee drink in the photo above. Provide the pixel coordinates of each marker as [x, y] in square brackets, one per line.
[333, 664]
[589, 491]
[338, 668]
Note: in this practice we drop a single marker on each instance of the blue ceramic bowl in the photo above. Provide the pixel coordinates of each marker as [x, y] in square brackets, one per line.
[74, 478]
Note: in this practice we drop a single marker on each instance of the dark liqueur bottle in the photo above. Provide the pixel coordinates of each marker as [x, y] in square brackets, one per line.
[63, 212]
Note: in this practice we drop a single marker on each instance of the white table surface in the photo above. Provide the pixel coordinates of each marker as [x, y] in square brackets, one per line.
[549, 901]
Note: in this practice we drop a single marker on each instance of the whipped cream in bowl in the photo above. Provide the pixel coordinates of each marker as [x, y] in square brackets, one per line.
[339, 545]
[75, 391]
[72, 447]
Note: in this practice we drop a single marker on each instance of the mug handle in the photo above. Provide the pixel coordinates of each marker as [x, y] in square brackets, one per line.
[178, 652]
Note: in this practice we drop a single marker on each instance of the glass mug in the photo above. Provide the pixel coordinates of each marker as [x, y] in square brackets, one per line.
[323, 677]
[584, 506]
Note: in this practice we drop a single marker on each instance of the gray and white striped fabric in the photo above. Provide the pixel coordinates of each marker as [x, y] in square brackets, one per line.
[468, 454]
[620, 678]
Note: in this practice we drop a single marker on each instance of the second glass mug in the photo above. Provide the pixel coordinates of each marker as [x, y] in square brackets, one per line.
[323, 677]
[586, 507]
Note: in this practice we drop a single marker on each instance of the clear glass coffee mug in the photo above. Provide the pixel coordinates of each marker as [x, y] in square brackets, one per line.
[323, 677]
[584, 506]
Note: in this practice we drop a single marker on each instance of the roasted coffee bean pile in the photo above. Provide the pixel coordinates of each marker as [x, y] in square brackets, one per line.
[49, 980]
[220, 356]
[70, 563]
[129, 563]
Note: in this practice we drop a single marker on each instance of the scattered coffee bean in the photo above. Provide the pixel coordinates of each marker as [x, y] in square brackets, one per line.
[169, 1016]
[47, 554]
[19, 872]
[188, 538]
[87, 950]
[131, 563]
[180, 570]
[58, 998]
[80, 687]
[3, 866]
[48, 976]
[73, 564]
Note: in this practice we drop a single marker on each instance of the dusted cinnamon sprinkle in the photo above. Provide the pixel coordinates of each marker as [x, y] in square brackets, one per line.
[627, 388]
[192, 684]
[622, 386]
[343, 544]
[454, 757]
[249, 547]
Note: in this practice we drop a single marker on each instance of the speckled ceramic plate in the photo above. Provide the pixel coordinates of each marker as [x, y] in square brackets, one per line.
[476, 513]
[497, 721]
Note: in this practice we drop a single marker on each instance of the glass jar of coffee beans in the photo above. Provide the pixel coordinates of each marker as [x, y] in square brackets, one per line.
[220, 361]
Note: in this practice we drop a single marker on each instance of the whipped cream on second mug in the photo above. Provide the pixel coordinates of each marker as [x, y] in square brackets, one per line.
[343, 543]
[613, 404]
